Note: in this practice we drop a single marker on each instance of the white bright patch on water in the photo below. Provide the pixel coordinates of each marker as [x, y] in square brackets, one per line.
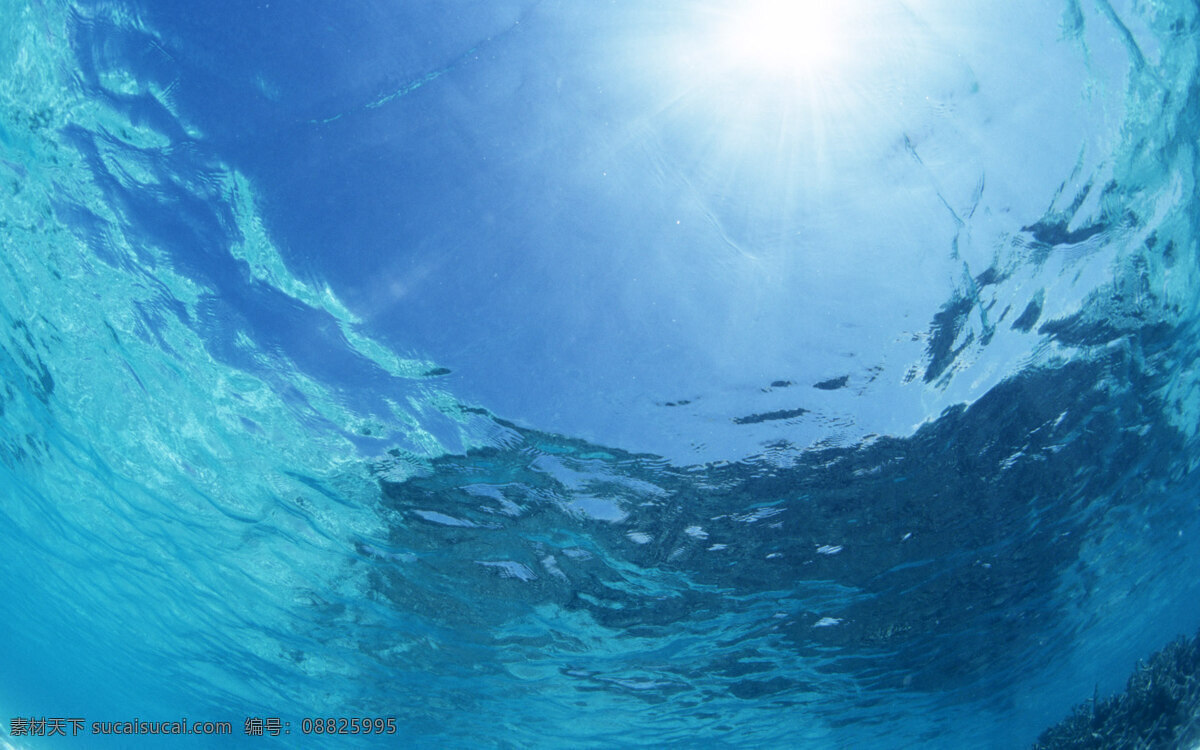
[829, 549]
[826, 622]
[441, 518]
[510, 569]
[638, 537]
[551, 565]
[597, 508]
[758, 514]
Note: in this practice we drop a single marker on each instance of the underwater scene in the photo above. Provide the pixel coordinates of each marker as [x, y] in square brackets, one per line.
[551, 374]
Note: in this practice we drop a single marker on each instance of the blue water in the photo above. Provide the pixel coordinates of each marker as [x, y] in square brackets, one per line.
[539, 374]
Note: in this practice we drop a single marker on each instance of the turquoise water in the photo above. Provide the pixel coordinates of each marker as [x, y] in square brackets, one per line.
[457, 365]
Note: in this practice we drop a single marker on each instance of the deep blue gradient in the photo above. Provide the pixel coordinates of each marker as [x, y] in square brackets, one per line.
[545, 374]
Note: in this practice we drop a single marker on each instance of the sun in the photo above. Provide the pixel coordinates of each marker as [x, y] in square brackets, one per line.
[781, 38]
[795, 74]
[779, 104]
[778, 85]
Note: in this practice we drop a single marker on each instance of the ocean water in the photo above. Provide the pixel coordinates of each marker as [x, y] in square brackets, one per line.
[544, 374]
